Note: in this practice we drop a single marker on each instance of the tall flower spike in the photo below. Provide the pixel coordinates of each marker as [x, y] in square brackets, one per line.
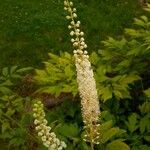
[48, 138]
[85, 78]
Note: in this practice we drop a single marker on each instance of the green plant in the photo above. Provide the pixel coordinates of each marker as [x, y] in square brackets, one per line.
[121, 70]
[58, 76]
[13, 109]
[67, 123]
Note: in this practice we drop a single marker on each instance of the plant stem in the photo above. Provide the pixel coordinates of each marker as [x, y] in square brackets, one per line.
[92, 146]
[91, 139]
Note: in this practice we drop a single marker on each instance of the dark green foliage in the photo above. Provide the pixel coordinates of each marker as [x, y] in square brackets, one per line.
[121, 71]
[15, 117]
[31, 29]
[67, 124]
[58, 71]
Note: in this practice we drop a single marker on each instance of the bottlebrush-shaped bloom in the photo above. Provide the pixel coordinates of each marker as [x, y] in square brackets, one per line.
[85, 77]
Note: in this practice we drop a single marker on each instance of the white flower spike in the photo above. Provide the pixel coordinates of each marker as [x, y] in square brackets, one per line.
[85, 78]
[48, 138]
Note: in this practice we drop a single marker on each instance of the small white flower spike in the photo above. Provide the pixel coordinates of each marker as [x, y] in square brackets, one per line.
[48, 138]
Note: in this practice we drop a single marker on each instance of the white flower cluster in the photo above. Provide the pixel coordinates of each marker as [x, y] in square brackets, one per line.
[85, 77]
[77, 35]
[48, 138]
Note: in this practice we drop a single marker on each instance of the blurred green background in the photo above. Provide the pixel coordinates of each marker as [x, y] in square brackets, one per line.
[29, 29]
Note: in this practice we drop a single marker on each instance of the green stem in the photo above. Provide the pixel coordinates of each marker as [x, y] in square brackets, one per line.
[91, 139]
[92, 146]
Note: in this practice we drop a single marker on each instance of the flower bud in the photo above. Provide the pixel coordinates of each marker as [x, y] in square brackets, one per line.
[74, 10]
[72, 40]
[81, 33]
[71, 3]
[65, 3]
[74, 15]
[72, 33]
[65, 8]
[72, 22]
[68, 17]
[69, 27]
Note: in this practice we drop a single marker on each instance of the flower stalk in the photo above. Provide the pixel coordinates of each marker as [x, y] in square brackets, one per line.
[85, 78]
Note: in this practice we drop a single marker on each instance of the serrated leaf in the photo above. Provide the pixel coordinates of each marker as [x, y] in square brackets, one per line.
[68, 72]
[5, 126]
[67, 55]
[132, 123]
[106, 93]
[105, 126]
[6, 83]
[144, 18]
[53, 57]
[147, 138]
[147, 92]
[145, 108]
[139, 22]
[133, 32]
[26, 119]
[5, 71]
[109, 134]
[144, 147]
[23, 70]
[13, 69]
[129, 79]
[69, 130]
[10, 112]
[94, 58]
[144, 123]
[5, 90]
[117, 145]
[118, 94]
[107, 116]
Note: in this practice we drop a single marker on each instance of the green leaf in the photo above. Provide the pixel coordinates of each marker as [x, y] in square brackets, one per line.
[84, 146]
[69, 72]
[5, 126]
[109, 134]
[132, 123]
[5, 90]
[69, 130]
[145, 107]
[144, 123]
[105, 126]
[107, 116]
[53, 57]
[5, 71]
[10, 112]
[94, 58]
[13, 69]
[106, 93]
[144, 147]
[147, 138]
[26, 119]
[118, 94]
[117, 145]
[128, 79]
[144, 18]
[139, 22]
[6, 83]
[133, 32]
[147, 92]
[23, 70]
